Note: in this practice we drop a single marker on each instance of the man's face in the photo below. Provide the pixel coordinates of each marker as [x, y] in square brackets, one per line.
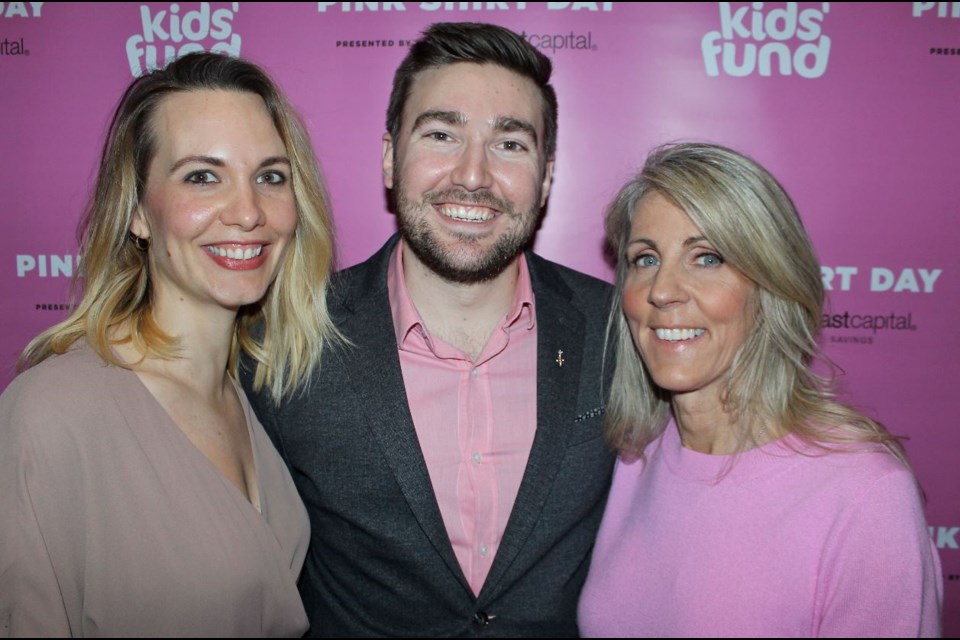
[469, 169]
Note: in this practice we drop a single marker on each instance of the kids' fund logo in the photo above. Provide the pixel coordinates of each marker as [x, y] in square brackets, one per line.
[784, 40]
[170, 33]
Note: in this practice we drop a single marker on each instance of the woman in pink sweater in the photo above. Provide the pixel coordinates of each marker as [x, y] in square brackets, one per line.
[747, 501]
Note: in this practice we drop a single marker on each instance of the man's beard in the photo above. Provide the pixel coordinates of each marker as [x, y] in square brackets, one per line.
[416, 233]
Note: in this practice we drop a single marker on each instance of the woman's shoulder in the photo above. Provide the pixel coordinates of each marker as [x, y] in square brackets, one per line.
[852, 467]
[79, 368]
[62, 386]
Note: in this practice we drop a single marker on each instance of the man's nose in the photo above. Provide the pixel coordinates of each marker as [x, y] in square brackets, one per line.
[472, 171]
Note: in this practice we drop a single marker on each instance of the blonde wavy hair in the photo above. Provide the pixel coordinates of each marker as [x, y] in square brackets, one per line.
[285, 331]
[748, 217]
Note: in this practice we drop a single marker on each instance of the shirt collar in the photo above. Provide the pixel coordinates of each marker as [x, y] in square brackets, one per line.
[406, 318]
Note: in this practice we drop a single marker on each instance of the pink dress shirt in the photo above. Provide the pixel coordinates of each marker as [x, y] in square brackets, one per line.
[475, 419]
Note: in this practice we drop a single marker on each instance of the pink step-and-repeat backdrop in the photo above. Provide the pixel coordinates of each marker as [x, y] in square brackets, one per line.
[854, 106]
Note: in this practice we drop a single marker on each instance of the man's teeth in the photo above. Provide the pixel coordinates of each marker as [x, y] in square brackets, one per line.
[236, 254]
[470, 214]
[675, 335]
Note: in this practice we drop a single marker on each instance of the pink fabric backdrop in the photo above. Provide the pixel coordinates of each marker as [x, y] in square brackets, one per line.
[852, 106]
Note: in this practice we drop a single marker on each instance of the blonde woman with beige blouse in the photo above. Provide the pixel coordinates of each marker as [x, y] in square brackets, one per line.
[140, 495]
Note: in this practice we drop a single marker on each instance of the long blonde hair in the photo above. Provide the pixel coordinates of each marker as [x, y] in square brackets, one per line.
[745, 213]
[285, 331]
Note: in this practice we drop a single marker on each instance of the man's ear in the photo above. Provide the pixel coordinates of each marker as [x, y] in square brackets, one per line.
[387, 161]
[547, 183]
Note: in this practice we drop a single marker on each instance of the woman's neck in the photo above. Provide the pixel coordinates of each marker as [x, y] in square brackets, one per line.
[704, 425]
[203, 349]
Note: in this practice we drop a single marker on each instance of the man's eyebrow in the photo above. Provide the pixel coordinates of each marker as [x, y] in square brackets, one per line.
[507, 124]
[452, 118]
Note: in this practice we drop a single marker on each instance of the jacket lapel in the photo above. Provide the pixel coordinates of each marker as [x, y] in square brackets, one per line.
[560, 328]
[374, 369]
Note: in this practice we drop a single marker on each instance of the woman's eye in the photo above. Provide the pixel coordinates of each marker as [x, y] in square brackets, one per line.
[709, 260]
[645, 260]
[272, 177]
[201, 177]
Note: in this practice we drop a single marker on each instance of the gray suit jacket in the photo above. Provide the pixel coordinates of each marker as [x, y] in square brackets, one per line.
[380, 561]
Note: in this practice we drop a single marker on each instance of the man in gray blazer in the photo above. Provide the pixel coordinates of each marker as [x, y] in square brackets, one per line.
[449, 451]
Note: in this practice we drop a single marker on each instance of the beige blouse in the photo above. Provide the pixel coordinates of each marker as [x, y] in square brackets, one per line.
[112, 523]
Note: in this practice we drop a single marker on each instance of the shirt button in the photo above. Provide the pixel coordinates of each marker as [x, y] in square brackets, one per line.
[483, 549]
[475, 372]
[477, 458]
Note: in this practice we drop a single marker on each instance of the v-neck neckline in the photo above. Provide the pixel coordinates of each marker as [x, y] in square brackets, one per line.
[256, 505]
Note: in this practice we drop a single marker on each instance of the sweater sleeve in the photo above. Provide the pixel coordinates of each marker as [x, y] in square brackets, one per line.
[880, 574]
[31, 597]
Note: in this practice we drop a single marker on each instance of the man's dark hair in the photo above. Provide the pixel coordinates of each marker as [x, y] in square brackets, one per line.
[446, 43]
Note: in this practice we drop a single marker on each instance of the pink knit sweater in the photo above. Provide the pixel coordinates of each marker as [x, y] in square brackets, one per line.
[785, 544]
